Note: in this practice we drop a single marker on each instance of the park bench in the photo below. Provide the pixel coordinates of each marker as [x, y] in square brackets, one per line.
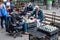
[51, 19]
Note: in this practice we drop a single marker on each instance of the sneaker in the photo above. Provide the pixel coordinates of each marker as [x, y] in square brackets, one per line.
[26, 33]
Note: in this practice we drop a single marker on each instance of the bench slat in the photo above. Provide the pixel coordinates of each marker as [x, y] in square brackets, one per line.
[52, 18]
[45, 23]
[52, 15]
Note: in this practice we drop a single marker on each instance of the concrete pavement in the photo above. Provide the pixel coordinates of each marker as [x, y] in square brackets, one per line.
[52, 10]
[4, 36]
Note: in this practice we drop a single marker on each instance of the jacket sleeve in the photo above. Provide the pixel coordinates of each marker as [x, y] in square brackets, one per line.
[31, 14]
[41, 15]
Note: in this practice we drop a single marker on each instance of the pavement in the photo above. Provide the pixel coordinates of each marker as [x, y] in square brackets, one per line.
[4, 36]
[52, 10]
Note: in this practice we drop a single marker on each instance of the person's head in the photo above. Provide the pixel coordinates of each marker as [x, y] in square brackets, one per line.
[1, 1]
[29, 3]
[36, 8]
[4, 0]
[17, 10]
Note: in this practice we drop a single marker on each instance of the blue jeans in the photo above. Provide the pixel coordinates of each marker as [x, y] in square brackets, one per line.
[7, 21]
[24, 26]
[3, 18]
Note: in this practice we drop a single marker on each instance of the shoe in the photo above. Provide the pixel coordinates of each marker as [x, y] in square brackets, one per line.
[26, 33]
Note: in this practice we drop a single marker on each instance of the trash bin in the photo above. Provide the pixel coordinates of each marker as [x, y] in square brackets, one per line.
[49, 4]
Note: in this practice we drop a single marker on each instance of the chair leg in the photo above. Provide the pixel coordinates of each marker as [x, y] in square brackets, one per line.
[14, 34]
[18, 33]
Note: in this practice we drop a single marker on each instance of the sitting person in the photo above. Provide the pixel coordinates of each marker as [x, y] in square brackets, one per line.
[17, 16]
[38, 15]
[30, 6]
[26, 8]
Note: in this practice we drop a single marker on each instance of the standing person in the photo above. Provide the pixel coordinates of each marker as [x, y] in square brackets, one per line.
[38, 15]
[9, 5]
[3, 13]
[4, 1]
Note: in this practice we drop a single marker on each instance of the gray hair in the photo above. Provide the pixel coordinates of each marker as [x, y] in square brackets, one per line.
[36, 7]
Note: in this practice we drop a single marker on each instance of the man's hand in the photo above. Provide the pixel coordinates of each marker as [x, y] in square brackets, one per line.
[24, 17]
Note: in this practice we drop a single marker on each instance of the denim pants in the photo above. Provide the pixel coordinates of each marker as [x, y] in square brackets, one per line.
[24, 26]
[3, 18]
[7, 18]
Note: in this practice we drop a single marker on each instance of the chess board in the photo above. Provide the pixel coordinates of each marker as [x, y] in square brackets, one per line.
[50, 30]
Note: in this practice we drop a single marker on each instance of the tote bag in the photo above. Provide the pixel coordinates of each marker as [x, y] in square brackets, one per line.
[3, 11]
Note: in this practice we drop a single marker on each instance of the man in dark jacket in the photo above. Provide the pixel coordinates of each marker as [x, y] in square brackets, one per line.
[38, 15]
[18, 18]
[28, 7]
